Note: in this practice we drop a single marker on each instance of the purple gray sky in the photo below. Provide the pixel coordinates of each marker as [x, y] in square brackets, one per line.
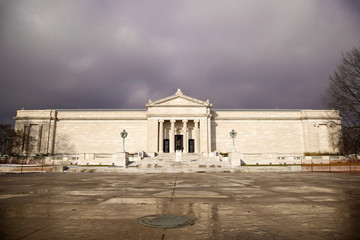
[119, 53]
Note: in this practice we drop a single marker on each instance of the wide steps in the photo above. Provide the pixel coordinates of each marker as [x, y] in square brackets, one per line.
[188, 163]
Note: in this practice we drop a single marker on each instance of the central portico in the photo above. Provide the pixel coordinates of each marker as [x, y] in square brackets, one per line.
[179, 120]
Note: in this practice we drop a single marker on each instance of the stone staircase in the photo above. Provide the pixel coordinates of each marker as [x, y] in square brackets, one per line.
[190, 162]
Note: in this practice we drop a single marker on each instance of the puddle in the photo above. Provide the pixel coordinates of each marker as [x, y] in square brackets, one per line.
[304, 189]
[150, 201]
[6, 196]
[191, 194]
[86, 193]
[322, 198]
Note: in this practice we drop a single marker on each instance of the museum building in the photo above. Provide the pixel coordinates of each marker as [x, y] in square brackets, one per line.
[179, 121]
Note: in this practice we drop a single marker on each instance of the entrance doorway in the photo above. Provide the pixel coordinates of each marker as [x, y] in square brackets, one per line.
[191, 146]
[179, 142]
[166, 146]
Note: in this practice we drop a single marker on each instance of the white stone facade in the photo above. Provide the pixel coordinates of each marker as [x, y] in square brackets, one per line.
[180, 121]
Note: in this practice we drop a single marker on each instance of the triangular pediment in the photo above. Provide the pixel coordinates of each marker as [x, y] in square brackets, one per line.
[178, 99]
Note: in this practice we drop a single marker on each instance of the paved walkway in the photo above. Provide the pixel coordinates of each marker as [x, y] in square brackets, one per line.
[227, 205]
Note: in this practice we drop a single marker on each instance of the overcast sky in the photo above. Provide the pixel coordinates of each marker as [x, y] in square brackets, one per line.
[117, 54]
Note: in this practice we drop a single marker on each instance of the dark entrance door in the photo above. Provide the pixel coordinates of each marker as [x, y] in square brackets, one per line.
[166, 146]
[191, 146]
[179, 142]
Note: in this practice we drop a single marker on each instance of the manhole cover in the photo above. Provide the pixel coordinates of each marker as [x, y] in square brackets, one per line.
[166, 221]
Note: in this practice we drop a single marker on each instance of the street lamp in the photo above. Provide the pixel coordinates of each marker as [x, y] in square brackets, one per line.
[123, 134]
[233, 136]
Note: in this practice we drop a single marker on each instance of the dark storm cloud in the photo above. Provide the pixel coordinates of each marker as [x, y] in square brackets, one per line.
[117, 54]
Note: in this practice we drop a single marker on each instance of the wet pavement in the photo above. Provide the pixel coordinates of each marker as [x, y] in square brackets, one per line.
[226, 205]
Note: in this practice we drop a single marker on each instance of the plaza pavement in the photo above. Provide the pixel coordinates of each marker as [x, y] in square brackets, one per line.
[292, 205]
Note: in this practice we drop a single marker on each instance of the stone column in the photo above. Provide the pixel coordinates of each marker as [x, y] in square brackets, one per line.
[317, 137]
[52, 131]
[27, 142]
[24, 139]
[185, 136]
[172, 136]
[161, 135]
[196, 138]
[39, 138]
[209, 134]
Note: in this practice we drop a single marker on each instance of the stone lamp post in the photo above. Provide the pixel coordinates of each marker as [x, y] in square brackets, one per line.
[123, 134]
[233, 134]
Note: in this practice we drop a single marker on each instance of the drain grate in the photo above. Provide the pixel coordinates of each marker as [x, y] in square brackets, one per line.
[166, 221]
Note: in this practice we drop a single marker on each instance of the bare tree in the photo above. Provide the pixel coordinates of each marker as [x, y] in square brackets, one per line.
[11, 141]
[343, 94]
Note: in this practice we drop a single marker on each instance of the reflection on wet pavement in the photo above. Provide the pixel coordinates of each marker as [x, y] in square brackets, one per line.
[226, 205]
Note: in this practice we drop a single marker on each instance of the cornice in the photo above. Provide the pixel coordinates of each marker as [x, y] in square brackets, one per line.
[81, 118]
[276, 118]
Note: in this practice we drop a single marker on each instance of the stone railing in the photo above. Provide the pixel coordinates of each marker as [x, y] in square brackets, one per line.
[106, 159]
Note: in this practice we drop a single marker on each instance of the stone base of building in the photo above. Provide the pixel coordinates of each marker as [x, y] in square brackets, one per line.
[189, 163]
[123, 159]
